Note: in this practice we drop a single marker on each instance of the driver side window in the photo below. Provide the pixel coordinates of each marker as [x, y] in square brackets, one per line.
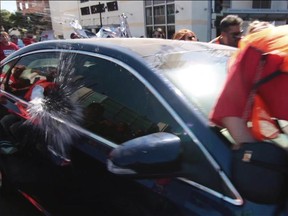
[118, 106]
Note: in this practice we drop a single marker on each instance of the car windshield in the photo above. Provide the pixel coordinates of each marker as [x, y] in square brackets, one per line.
[199, 75]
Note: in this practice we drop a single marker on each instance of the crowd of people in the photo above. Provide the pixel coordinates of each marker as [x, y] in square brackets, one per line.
[11, 43]
[230, 34]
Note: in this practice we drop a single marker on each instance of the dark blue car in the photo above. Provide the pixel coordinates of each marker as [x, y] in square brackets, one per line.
[124, 130]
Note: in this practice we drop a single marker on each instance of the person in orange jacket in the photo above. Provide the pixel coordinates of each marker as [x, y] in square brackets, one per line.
[262, 55]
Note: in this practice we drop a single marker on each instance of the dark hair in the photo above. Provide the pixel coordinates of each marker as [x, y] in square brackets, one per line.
[18, 70]
[73, 35]
[13, 36]
[160, 31]
[230, 20]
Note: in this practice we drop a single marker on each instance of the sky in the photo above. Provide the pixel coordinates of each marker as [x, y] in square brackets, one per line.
[9, 5]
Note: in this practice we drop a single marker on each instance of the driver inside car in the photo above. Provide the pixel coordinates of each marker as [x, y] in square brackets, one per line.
[13, 124]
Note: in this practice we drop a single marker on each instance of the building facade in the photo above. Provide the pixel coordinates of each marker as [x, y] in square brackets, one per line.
[40, 10]
[202, 17]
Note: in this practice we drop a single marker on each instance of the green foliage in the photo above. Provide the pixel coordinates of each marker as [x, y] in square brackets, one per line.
[29, 22]
[5, 20]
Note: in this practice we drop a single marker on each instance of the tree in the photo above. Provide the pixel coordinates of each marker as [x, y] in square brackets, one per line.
[18, 20]
[32, 22]
[5, 23]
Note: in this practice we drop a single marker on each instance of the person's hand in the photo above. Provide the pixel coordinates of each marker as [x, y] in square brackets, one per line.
[238, 129]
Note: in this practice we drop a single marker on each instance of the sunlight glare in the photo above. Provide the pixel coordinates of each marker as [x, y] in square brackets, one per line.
[201, 81]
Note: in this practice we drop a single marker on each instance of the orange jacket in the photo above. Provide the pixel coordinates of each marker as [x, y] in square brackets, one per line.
[271, 40]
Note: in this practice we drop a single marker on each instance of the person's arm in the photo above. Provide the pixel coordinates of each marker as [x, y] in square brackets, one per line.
[238, 129]
[37, 92]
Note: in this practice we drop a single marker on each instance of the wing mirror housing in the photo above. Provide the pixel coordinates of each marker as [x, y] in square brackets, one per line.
[154, 154]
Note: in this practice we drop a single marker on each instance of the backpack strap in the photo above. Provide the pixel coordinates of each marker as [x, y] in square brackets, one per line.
[267, 79]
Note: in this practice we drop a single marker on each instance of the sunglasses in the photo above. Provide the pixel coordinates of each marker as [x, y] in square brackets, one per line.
[236, 35]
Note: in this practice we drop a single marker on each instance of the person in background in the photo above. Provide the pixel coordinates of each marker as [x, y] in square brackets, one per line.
[73, 35]
[257, 25]
[231, 31]
[6, 46]
[234, 108]
[185, 34]
[16, 40]
[158, 33]
[18, 84]
[29, 39]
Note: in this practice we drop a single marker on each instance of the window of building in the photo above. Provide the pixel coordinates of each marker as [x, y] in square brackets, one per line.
[170, 31]
[81, 1]
[218, 6]
[226, 4]
[148, 2]
[85, 11]
[99, 8]
[149, 16]
[112, 6]
[261, 4]
[171, 14]
[155, 2]
[160, 14]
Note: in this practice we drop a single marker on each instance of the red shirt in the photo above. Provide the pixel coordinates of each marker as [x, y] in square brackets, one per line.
[27, 41]
[6, 50]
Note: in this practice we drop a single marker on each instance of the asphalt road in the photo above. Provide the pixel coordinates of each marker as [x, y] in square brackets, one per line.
[17, 206]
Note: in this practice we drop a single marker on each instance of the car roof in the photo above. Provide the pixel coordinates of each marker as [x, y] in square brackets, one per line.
[143, 47]
[151, 46]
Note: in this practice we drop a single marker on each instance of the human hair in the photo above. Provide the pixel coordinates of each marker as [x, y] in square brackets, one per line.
[73, 35]
[14, 37]
[230, 20]
[257, 26]
[160, 32]
[4, 34]
[17, 70]
[182, 33]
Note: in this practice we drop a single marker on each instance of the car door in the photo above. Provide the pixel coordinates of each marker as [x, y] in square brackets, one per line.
[118, 106]
[130, 108]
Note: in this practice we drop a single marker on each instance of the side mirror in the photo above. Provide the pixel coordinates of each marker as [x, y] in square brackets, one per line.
[155, 154]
